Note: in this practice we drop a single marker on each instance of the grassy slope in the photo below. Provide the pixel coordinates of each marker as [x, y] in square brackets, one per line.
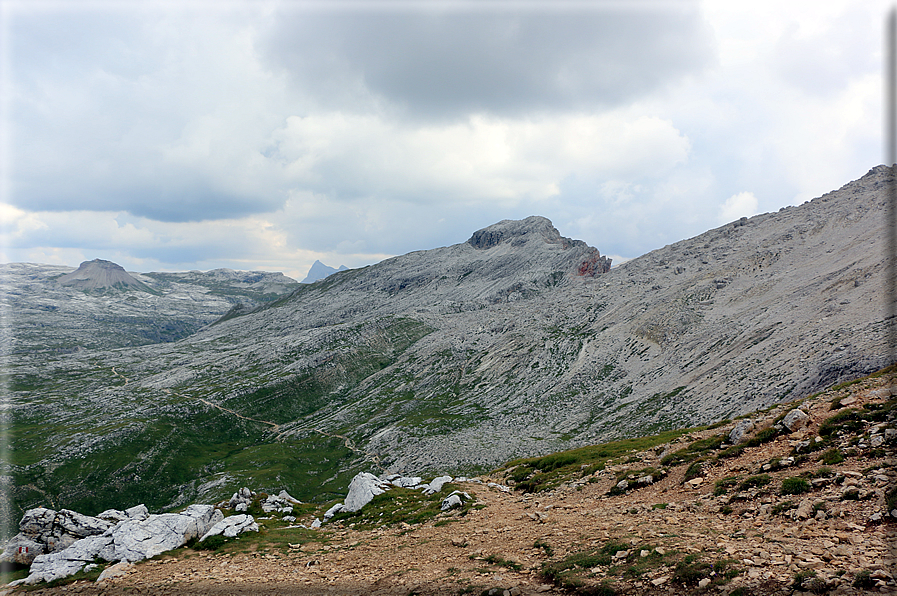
[175, 443]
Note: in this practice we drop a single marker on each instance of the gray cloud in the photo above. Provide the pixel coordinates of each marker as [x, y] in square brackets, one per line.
[451, 63]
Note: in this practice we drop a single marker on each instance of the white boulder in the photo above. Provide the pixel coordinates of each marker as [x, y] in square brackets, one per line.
[436, 484]
[795, 420]
[232, 526]
[363, 488]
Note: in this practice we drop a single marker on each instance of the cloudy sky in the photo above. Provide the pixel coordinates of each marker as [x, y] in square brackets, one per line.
[269, 134]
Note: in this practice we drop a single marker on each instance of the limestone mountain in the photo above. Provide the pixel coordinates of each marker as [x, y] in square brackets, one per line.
[99, 275]
[319, 270]
[517, 342]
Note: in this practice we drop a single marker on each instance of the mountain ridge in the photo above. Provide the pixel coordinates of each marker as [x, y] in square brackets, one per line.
[462, 357]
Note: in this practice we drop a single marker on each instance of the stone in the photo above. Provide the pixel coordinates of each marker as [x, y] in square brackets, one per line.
[232, 526]
[362, 489]
[113, 515]
[740, 431]
[804, 510]
[333, 511]
[44, 531]
[436, 484]
[795, 420]
[57, 565]
[283, 495]
[138, 512]
[455, 499]
[135, 540]
[406, 482]
[22, 549]
[117, 570]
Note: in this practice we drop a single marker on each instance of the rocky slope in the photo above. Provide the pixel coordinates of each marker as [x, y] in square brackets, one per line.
[773, 516]
[51, 309]
[514, 343]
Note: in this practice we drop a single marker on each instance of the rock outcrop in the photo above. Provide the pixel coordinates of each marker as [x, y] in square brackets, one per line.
[64, 542]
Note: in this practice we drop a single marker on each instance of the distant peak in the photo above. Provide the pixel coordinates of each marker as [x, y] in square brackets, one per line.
[319, 271]
[100, 274]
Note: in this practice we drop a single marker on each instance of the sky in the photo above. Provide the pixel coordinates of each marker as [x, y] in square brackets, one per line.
[265, 135]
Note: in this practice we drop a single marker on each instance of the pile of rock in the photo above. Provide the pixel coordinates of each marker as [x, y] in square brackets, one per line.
[60, 543]
[281, 503]
[365, 486]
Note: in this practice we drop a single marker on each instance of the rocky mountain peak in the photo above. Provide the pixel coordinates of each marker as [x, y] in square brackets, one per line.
[100, 274]
[517, 232]
[319, 271]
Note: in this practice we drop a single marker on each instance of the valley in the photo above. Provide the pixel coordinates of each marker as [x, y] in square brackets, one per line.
[515, 343]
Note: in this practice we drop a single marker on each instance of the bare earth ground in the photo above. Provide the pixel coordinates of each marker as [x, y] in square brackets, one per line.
[471, 554]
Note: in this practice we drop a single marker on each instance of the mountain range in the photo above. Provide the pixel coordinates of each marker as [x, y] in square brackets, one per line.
[517, 342]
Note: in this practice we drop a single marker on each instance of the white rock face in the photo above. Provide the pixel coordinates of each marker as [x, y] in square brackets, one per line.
[436, 484]
[71, 560]
[44, 531]
[131, 540]
[232, 526]
[137, 540]
[363, 488]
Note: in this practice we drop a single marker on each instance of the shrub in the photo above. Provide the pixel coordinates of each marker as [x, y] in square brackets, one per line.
[212, 543]
[733, 451]
[693, 451]
[795, 486]
[690, 571]
[553, 462]
[764, 436]
[849, 420]
[754, 481]
[694, 470]
[723, 485]
[864, 580]
[783, 507]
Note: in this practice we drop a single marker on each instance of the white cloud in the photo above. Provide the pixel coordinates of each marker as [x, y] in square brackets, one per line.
[182, 138]
[744, 204]
[481, 159]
